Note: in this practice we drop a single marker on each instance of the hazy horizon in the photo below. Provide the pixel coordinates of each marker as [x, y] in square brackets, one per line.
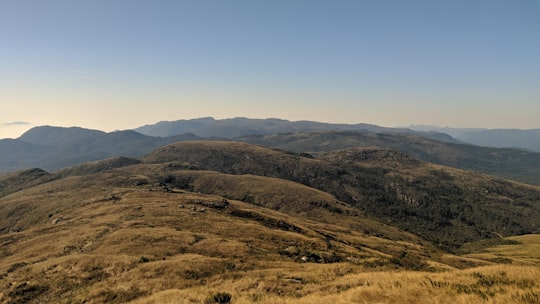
[120, 65]
[19, 128]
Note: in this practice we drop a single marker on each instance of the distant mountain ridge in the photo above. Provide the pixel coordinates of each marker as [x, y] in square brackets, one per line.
[53, 136]
[241, 126]
[503, 162]
[504, 138]
[54, 148]
[528, 139]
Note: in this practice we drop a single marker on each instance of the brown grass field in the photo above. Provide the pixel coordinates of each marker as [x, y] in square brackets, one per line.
[342, 283]
[95, 244]
[125, 236]
[523, 250]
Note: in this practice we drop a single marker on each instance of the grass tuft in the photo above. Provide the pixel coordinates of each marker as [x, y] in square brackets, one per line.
[219, 298]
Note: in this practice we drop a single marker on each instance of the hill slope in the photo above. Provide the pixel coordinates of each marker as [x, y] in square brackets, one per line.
[507, 163]
[444, 205]
[202, 221]
[84, 238]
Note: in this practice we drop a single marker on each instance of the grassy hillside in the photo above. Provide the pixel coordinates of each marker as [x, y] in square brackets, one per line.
[124, 237]
[447, 206]
[522, 249]
[339, 283]
[203, 222]
[16, 181]
[506, 163]
[119, 235]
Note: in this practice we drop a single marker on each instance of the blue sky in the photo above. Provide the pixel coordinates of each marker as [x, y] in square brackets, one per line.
[119, 64]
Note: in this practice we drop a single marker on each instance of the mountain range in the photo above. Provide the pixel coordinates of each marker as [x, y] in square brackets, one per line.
[315, 215]
[497, 138]
[240, 126]
[54, 148]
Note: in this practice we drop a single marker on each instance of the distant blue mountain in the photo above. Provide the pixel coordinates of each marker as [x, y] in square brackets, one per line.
[52, 148]
[241, 126]
[496, 138]
[504, 138]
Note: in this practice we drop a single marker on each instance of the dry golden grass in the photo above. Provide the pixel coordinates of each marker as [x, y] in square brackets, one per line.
[101, 239]
[341, 283]
[111, 244]
[525, 251]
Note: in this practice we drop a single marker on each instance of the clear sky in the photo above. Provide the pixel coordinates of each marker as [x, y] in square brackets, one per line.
[119, 64]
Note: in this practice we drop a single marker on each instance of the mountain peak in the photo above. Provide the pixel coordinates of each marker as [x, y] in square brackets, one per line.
[51, 136]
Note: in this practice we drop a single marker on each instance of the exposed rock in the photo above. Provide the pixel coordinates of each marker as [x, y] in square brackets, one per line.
[220, 204]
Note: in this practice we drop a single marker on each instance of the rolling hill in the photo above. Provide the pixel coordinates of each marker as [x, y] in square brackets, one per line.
[53, 148]
[507, 163]
[83, 237]
[204, 221]
[444, 205]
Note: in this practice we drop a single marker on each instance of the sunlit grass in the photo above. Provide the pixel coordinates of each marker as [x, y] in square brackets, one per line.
[328, 284]
[526, 250]
[107, 241]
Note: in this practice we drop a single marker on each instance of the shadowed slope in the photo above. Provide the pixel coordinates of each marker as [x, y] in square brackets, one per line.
[16, 181]
[507, 163]
[444, 205]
